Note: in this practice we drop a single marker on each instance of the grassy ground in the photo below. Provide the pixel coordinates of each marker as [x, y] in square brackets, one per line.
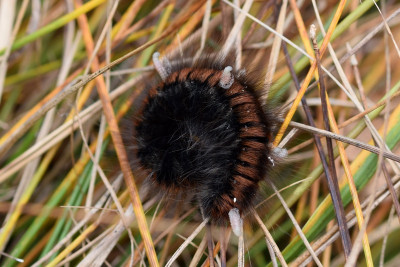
[72, 71]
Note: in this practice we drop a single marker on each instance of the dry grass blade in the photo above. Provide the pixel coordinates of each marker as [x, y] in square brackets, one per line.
[270, 240]
[366, 111]
[275, 47]
[395, 198]
[296, 225]
[236, 28]
[186, 243]
[384, 243]
[10, 39]
[99, 253]
[345, 139]
[199, 252]
[388, 29]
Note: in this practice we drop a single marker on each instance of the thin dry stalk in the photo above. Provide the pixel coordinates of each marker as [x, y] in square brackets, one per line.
[270, 240]
[187, 241]
[296, 225]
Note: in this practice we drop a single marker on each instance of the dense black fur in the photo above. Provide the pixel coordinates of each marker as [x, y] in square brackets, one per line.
[188, 134]
[189, 137]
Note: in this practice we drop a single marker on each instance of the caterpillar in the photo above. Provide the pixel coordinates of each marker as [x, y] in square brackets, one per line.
[203, 130]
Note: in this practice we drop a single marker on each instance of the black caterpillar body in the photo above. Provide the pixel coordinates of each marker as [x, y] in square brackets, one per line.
[194, 135]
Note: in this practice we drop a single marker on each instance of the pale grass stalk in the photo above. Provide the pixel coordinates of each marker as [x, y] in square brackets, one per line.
[199, 252]
[11, 257]
[315, 101]
[238, 41]
[366, 111]
[172, 225]
[184, 238]
[384, 242]
[35, 18]
[10, 6]
[379, 233]
[270, 241]
[288, 137]
[345, 139]
[296, 225]
[272, 254]
[388, 29]
[322, 248]
[276, 48]
[100, 252]
[131, 71]
[102, 36]
[394, 262]
[7, 16]
[168, 240]
[187, 242]
[86, 247]
[236, 30]
[282, 189]
[155, 213]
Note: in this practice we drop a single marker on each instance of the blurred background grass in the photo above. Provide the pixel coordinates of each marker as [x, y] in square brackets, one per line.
[62, 205]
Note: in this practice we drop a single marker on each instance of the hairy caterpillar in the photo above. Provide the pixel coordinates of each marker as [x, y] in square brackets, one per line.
[203, 130]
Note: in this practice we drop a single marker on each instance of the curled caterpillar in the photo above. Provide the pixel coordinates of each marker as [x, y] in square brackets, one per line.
[204, 130]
